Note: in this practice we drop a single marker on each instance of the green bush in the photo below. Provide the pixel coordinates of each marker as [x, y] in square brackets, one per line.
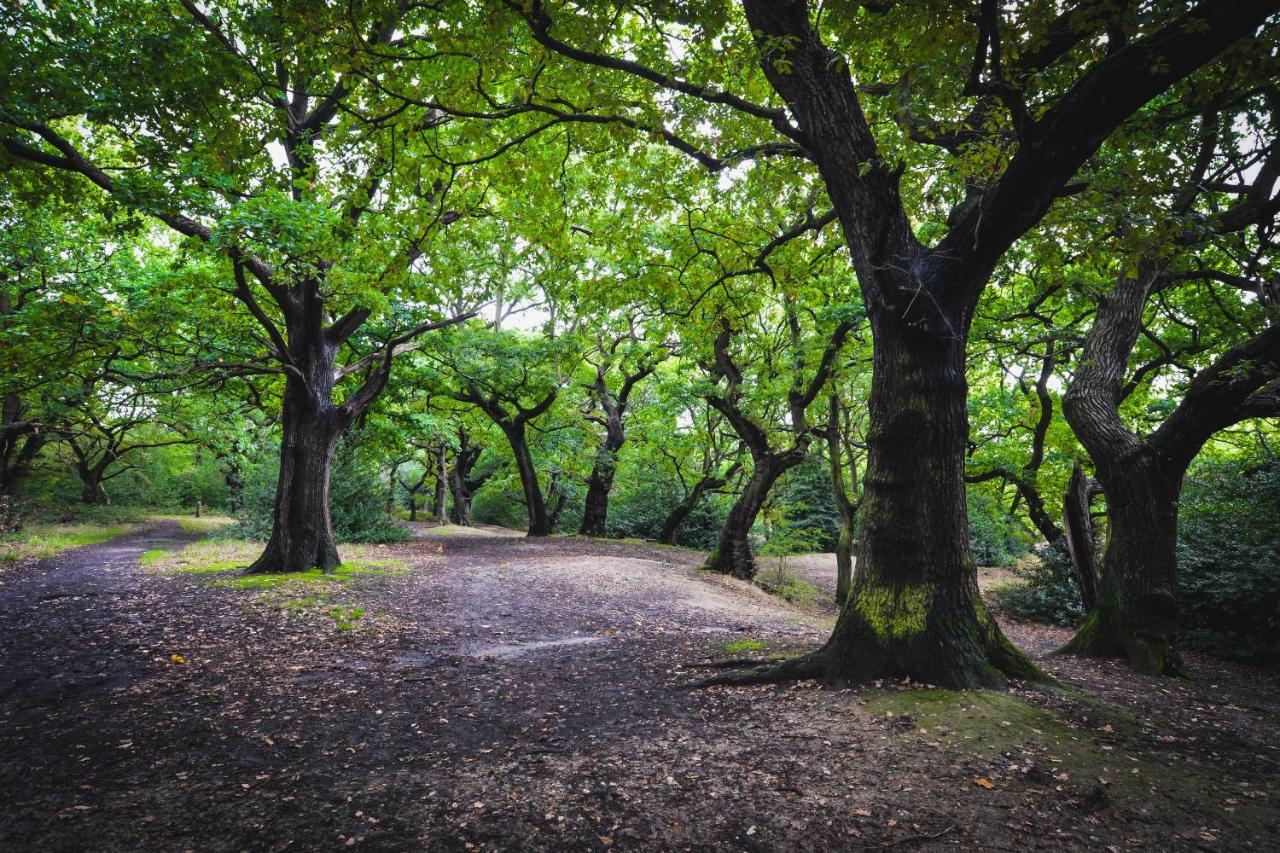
[500, 501]
[357, 499]
[641, 501]
[812, 519]
[1048, 593]
[994, 538]
[1229, 559]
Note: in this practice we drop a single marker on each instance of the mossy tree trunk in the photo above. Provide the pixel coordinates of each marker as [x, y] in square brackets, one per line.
[914, 607]
[1135, 612]
[301, 530]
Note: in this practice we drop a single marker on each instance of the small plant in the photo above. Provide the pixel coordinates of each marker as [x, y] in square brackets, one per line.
[345, 618]
[785, 539]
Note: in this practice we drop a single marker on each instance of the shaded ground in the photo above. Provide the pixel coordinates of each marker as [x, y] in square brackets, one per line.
[504, 693]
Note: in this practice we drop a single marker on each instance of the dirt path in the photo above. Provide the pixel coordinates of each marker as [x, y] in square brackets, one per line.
[513, 694]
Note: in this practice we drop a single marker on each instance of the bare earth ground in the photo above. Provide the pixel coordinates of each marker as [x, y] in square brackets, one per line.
[504, 693]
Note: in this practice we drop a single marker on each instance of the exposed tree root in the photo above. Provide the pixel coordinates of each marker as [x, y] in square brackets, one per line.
[730, 663]
[810, 665]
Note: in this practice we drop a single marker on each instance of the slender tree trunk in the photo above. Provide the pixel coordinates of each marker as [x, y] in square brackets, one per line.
[681, 511]
[413, 508]
[844, 559]
[732, 554]
[595, 512]
[1079, 537]
[301, 531]
[844, 504]
[914, 607]
[559, 497]
[1136, 613]
[442, 487]
[539, 523]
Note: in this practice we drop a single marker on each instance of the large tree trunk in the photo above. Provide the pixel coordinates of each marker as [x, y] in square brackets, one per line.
[462, 487]
[539, 523]
[595, 512]
[301, 530]
[17, 468]
[1136, 613]
[92, 493]
[21, 442]
[732, 554]
[914, 608]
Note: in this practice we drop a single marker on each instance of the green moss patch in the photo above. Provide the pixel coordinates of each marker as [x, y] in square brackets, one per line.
[738, 647]
[1084, 748]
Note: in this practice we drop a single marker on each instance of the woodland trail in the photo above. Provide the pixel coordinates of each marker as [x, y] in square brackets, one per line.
[505, 693]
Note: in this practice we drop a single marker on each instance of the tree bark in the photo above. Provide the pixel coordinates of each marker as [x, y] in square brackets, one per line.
[733, 553]
[846, 505]
[442, 486]
[301, 531]
[1079, 537]
[539, 521]
[595, 511]
[914, 607]
[462, 484]
[1136, 610]
[92, 492]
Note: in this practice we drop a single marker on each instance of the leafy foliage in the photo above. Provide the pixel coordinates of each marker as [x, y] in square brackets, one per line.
[1229, 559]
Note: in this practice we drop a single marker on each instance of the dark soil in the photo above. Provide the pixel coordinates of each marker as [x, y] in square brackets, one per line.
[514, 694]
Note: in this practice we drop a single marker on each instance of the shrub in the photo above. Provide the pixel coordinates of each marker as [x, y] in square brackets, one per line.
[1048, 591]
[812, 519]
[1229, 559]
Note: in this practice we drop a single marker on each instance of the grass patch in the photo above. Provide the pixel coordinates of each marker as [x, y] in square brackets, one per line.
[738, 647]
[205, 524]
[38, 540]
[302, 595]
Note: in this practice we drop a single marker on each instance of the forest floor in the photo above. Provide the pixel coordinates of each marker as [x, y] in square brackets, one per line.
[475, 692]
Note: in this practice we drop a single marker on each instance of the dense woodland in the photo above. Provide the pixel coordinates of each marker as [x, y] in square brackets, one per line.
[930, 285]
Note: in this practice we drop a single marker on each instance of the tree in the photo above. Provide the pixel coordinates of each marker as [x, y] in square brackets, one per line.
[619, 356]
[312, 247]
[1041, 94]
[466, 476]
[1136, 610]
[845, 452]
[514, 379]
